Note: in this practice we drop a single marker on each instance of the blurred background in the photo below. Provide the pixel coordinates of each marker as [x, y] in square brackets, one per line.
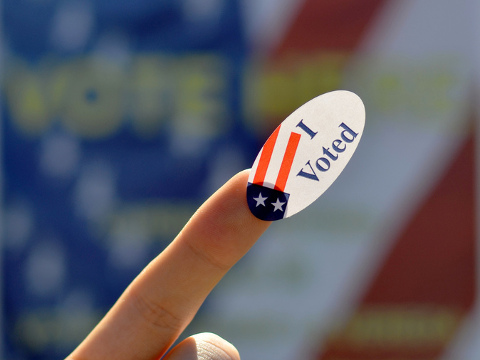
[120, 117]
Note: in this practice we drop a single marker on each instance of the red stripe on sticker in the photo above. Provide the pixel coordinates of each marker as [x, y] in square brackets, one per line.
[287, 161]
[264, 161]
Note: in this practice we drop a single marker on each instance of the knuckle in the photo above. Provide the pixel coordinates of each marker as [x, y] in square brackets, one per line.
[208, 258]
[156, 315]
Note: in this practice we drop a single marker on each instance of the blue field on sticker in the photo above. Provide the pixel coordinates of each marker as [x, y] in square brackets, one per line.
[265, 203]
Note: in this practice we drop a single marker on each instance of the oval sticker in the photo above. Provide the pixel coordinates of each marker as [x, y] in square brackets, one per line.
[305, 154]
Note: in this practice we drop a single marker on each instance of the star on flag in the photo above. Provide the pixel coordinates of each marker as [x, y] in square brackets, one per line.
[278, 205]
[260, 200]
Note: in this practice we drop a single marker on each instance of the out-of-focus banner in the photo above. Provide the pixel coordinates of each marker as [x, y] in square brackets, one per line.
[119, 118]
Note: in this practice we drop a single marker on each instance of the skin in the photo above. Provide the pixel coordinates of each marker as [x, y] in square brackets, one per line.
[163, 299]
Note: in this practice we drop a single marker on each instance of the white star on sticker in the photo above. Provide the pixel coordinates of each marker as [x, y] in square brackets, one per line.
[260, 200]
[278, 205]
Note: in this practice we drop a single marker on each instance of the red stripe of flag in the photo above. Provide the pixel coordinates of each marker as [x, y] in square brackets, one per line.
[287, 161]
[265, 158]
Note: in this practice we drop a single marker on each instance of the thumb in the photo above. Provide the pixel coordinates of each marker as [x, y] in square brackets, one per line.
[204, 346]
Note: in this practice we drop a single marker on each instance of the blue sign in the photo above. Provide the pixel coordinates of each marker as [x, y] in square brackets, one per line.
[119, 119]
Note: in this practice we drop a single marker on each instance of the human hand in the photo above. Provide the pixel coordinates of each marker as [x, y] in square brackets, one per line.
[163, 299]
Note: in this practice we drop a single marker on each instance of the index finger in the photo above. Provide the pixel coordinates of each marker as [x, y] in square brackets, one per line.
[162, 300]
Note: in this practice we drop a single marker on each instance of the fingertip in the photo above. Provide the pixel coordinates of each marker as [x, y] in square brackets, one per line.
[204, 346]
[223, 226]
[212, 346]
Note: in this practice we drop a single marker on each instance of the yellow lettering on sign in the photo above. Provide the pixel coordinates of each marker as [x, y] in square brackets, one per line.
[201, 97]
[151, 94]
[94, 104]
[399, 327]
[159, 220]
[94, 98]
[424, 92]
[47, 328]
[274, 90]
[26, 98]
